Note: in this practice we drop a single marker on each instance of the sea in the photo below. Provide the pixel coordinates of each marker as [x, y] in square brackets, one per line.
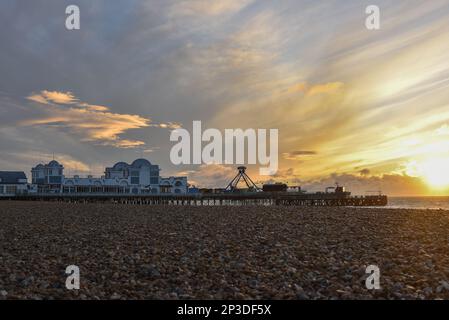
[418, 202]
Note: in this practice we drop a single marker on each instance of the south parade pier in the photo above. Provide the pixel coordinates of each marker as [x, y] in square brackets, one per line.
[216, 199]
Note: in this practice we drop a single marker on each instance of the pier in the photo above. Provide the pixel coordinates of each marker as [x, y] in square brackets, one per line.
[220, 199]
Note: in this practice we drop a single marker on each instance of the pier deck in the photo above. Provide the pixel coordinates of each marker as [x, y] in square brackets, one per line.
[259, 198]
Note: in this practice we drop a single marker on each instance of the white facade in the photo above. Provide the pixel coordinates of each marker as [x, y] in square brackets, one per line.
[140, 177]
[47, 178]
[175, 185]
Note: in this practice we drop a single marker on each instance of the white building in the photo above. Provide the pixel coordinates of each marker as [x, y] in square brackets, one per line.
[47, 178]
[176, 185]
[140, 177]
[12, 183]
[141, 174]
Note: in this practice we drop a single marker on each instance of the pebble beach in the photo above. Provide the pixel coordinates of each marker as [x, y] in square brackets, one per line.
[213, 252]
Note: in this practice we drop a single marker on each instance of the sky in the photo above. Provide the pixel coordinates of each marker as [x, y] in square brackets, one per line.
[368, 109]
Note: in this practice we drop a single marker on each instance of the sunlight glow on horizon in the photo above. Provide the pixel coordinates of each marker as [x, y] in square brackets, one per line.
[436, 173]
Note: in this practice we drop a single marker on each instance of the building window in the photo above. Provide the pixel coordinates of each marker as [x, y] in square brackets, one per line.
[125, 173]
[134, 173]
[154, 180]
[54, 179]
[11, 189]
[135, 180]
[1, 190]
[165, 189]
[178, 183]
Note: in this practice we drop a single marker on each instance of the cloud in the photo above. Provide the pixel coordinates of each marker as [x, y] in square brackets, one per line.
[299, 87]
[289, 176]
[442, 131]
[57, 97]
[211, 175]
[91, 122]
[73, 164]
[168, 125]
[207, 7]
[390, 184]
[32, 158]
[365, 172]
[124, 143]
[46, 97]
[312, 90]
[150, 150]
[38, 98]
[294, 155]
[328, 88]
[230, 64]
[94, 107]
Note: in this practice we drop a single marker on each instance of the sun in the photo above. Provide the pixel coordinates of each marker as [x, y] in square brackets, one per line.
[436, 172]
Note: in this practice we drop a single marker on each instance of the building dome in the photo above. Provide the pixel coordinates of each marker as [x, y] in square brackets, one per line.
[120, 166]
[54, 163]
[141, 163]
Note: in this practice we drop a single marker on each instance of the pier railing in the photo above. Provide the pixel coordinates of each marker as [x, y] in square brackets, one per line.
[257, 198]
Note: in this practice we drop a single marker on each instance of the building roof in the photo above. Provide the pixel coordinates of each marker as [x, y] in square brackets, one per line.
[141, 163]
[120, 166]
[11, 177]
[51, 164]
[54, 163]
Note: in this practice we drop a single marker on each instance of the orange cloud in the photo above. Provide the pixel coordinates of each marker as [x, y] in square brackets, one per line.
[94, 107]
[168, 125]
[125, 144]
[207, 7]
[69, 162]
[300, 87]
[91, 122]
[37, 98]
[328, 88]
[311, 90]
[211, 175]
[390, 184]
[295, 155]
[46, 97]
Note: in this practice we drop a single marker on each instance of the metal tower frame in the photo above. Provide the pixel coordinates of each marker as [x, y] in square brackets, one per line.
[232, 186]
